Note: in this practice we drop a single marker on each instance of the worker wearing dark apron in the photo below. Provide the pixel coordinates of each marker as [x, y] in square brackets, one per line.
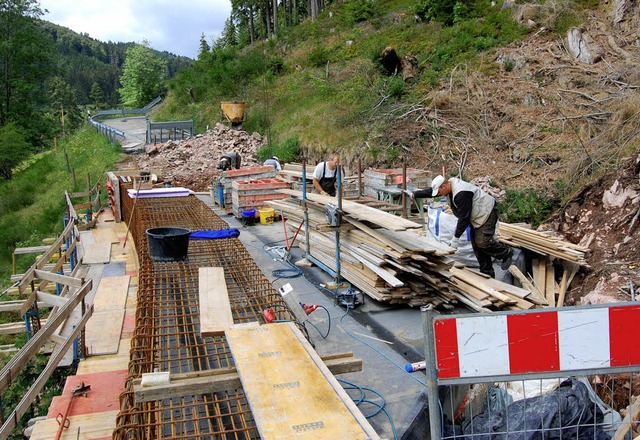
[324, 175]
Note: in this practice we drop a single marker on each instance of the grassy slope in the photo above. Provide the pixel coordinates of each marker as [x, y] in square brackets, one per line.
[330, 94]
[32, 203]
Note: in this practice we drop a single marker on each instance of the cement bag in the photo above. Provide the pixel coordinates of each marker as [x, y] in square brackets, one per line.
[441, 226]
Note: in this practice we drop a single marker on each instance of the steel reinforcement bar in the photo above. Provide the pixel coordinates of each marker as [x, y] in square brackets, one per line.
[167, 336]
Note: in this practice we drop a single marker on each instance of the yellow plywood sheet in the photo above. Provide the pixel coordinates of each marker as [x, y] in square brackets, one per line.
[215, 310]
[84, 427]
[111, 293]
[104, 234]
[95, 253]
[289, 394]
[102, 332]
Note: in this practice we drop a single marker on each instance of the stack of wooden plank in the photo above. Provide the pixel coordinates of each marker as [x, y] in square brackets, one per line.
[389, 259]
[544, 243]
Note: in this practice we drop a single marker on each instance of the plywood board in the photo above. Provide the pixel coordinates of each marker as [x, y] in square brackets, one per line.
[111, 293]
[84, 427]
[95, 253]
[102, 332]
[290, 395]
[111, 362]
[215, 310]
[105, 235]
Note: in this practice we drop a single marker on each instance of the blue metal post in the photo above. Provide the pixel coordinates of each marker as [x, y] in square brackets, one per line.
[337, 232]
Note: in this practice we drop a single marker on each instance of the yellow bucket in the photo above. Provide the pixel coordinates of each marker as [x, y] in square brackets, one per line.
[266, 216]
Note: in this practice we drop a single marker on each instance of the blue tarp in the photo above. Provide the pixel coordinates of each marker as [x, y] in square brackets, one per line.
[212, 235]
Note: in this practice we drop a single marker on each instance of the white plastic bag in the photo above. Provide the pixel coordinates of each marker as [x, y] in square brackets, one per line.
[442, 225]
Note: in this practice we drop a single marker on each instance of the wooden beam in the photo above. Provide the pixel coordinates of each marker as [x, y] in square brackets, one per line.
[223, 379]
[569, 272]
[549, 291]
[535, 296]
[632, 412]
[16, 363]
[57, 278]
[29, 397]
[51, 300]
[215, 309]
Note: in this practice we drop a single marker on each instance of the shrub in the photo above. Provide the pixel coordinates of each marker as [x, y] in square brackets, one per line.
[528, 206]
[318, 56]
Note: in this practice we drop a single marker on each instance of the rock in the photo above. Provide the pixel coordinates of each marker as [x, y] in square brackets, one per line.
[616, 196]
[582, 47]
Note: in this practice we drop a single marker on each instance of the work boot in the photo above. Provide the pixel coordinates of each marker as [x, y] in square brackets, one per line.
[506, 263]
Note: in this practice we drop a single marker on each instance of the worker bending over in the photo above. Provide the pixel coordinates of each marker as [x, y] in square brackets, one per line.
[274, 162]
[230, 160]
[324, 175]
[473, 207]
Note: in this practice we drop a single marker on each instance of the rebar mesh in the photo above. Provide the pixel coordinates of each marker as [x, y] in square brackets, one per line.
[167, 335]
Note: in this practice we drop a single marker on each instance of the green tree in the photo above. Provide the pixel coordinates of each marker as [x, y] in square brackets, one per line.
[64, 107]
[24, 64]
[204, 47]
[142, 76]
[13, 148]
[97, 97]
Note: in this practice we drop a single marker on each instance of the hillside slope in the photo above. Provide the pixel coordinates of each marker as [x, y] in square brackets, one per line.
[530, 116]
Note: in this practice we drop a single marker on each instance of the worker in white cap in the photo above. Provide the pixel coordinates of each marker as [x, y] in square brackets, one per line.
[229, 161]
[473, 207]
[274, 162]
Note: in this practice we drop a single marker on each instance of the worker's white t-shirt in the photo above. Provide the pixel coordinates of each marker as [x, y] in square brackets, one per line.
[317, 173]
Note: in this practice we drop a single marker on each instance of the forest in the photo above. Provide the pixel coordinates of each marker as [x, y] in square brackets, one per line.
[52, 76]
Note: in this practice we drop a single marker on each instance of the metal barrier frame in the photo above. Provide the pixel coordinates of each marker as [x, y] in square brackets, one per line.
[432, 372]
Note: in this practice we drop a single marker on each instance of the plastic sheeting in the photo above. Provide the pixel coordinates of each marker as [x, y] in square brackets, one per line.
[566, 413]
[442, 225]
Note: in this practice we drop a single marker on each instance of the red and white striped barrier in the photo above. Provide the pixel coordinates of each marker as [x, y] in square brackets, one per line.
[538, 341]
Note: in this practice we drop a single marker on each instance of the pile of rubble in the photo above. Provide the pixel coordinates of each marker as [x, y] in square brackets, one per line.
[193, 162]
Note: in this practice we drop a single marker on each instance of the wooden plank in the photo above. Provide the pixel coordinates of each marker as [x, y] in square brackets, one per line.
[215, 309]
[102, 335]
[96, 253]
[111, 293]
[224, 379]
[30, 250]
[51, 300]
[91, 426]
[549, 289]
[569, 272]
[361, 212]
[15, 364]
[30, 396]
[632, 413]
[57, 278]
[289, 392]
[539, 275]
[535, 295]
[104, 235]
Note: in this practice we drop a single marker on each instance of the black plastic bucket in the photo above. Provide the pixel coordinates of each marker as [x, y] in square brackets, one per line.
[168, 244]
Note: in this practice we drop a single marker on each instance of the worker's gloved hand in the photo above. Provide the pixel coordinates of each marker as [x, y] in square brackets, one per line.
[410, 194]
[455, 241]
[324, 193]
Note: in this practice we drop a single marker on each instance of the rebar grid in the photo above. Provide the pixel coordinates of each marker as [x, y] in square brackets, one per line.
[167, 334]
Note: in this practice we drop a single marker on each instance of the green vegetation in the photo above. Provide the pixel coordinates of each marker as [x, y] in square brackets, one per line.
[142, 76]
[528, 206]
[32, 202]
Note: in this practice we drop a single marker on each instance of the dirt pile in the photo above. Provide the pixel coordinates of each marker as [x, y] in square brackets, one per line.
[193, 163]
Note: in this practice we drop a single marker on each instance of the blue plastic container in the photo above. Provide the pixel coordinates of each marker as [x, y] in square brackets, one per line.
[248, 217]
